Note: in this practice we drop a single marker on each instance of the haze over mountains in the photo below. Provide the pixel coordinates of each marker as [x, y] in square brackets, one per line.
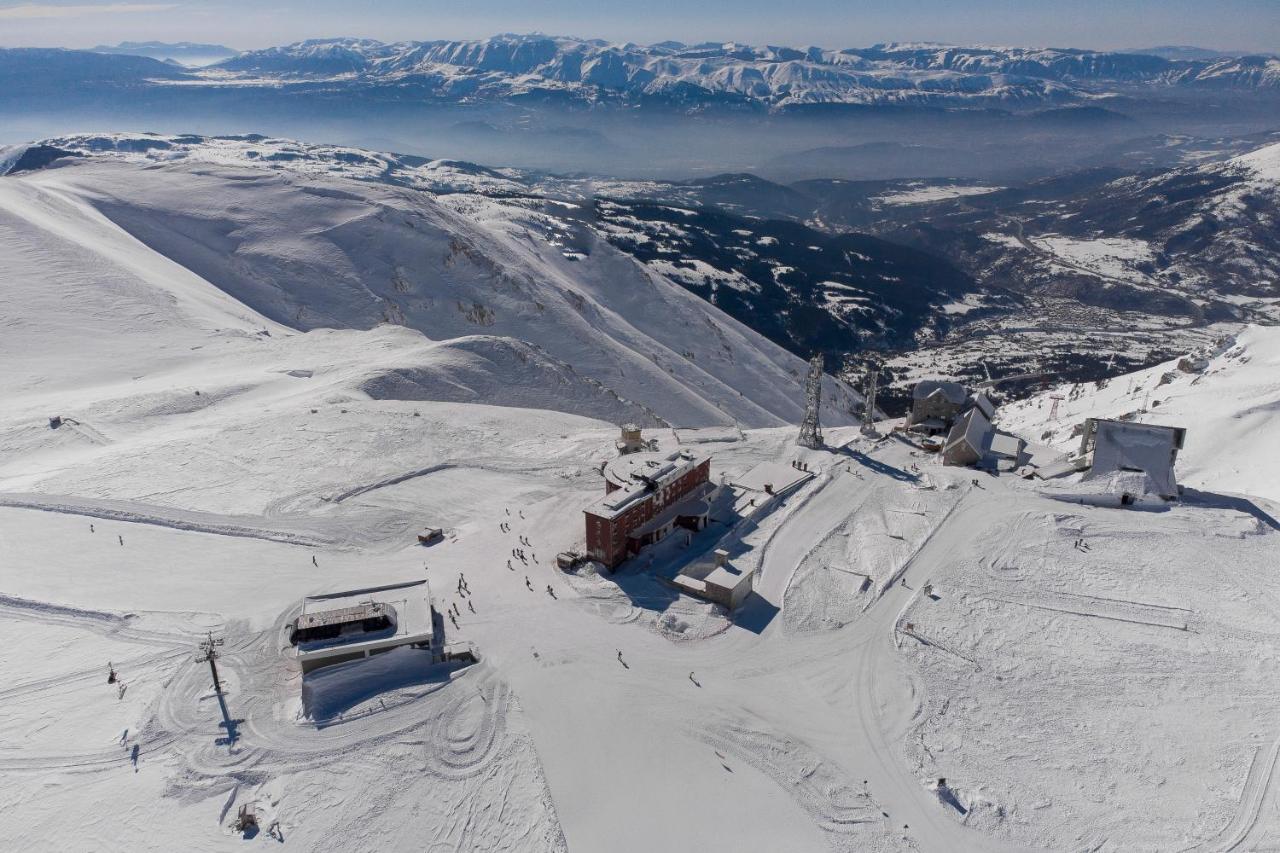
[668, 109]
[184, 52]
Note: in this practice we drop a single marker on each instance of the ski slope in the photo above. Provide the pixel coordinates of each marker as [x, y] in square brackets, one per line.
[1115, 697]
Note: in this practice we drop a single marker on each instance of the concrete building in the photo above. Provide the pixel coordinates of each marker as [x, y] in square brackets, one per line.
[344, 626]
[631, 440]
[935, 406]
[647, 495]
[721, 582]
[969, 439]
[1109, 446]
[973, 440]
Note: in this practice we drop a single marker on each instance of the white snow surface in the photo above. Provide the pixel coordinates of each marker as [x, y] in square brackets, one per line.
[1120, 697]
[450, 266]
[933, 192]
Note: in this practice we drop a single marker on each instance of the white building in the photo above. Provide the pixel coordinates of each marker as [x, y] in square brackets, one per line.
[342, 626]
[1110, 447]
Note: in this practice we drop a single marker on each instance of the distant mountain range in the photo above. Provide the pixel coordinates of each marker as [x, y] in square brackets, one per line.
[182, 52]
[776, 77]
[541, 68]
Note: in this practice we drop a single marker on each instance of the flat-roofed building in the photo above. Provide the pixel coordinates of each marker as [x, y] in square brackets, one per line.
[343, 626]
[646, 496]
[720, 582]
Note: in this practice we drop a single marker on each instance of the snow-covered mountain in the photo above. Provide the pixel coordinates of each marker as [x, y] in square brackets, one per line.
[525, 65]
[317, 241]
[243, 371]
[802, 288]
[509, 66]
[571, 70]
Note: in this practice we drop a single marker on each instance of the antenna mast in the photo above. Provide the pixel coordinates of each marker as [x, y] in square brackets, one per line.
[811, 428]
[869, 405]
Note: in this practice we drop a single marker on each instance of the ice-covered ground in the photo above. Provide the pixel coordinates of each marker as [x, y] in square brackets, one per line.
[1111, 695]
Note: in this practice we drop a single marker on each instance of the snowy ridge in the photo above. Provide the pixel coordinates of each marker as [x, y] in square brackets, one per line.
[451, 266]
[507, 66]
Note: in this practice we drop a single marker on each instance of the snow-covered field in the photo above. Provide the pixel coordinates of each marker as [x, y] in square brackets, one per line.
[216, 463]
[934, 192]
[1115, 256]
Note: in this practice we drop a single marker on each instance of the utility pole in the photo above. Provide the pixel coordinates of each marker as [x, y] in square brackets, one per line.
[209, 652]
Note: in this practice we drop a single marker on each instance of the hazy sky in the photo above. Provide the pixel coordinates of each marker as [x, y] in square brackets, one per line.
[1252, 25]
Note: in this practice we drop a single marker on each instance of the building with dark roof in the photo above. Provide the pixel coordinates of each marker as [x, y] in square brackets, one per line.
[935, 405]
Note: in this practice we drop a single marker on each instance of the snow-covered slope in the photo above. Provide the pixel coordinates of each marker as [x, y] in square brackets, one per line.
[1228, 399]
[310, 248]
[215, 463]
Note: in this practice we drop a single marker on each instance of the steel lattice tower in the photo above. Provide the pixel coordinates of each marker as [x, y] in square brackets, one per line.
[811, 427]
[869, 405]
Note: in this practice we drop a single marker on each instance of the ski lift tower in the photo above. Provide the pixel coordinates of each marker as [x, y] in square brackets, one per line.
[869, 404]
[209, 654]
[811, 428]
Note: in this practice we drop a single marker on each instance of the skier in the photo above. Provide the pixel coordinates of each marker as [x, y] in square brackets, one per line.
[526, 582]
[90, 528]
[471, 606]
[313, 561]
[121, 541]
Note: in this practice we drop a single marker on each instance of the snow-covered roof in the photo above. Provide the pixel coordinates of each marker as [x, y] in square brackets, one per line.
[1005, 445]
[409, 603]
[777, 476]
[728, 577]
[972, 429]
[953, 391]
[640, 474]
[983, 402]
[1127, 446]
